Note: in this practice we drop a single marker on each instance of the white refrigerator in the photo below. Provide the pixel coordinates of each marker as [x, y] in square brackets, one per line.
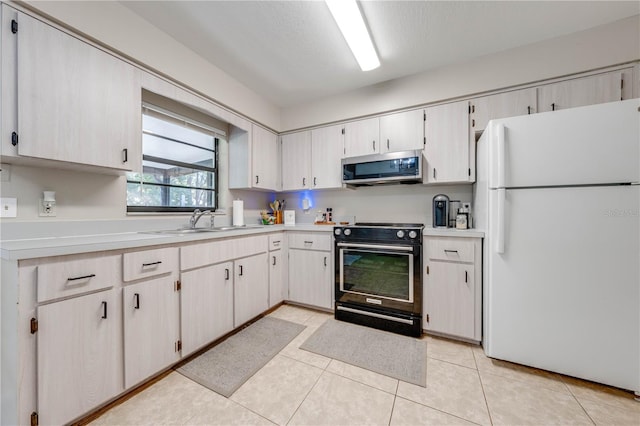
[558, 196]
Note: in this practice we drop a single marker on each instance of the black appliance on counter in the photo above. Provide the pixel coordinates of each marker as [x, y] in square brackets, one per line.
[378, 278]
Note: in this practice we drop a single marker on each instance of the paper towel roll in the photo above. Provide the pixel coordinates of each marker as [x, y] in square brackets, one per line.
[238, 213]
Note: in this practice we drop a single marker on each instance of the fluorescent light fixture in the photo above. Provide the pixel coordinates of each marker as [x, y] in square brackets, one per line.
[349, 20]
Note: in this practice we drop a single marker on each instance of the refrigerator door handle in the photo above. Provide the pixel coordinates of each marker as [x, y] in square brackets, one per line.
[500, 166]
[500, 218]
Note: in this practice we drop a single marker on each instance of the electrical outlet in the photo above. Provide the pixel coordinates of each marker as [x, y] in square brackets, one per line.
[47, 209]
[8, 207]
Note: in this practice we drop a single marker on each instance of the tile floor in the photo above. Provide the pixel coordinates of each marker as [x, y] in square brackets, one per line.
[301, 388]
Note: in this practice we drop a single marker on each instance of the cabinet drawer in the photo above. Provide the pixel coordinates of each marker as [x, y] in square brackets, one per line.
[149, 263]
[203, 254]
[454, 249]
[79, 275]
[276, 241]
[310, 241]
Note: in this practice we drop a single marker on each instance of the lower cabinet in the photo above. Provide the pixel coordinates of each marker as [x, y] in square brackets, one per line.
[251, 288]
[206, 305]
[453, 291]
[311, 277]
[276, 278]
[79, 356]
[151, 312]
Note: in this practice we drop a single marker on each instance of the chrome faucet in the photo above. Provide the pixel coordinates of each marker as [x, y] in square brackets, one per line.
[195, 217]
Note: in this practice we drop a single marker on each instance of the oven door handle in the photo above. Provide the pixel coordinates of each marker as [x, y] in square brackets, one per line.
[376, 246]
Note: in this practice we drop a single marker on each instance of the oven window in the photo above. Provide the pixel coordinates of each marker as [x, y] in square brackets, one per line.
[377, 273]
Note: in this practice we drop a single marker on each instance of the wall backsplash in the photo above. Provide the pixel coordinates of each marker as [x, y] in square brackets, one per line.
[391, 203]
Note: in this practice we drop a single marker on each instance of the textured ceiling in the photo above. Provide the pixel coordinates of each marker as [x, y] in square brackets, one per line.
[291, 52]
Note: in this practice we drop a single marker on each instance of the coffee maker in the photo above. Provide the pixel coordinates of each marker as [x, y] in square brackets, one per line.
[441, 211]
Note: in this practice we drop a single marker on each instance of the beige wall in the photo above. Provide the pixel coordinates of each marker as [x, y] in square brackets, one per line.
[611, 44]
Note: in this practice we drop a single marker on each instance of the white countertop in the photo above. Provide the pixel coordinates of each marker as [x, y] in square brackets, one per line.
[64, 245]
[453, 232]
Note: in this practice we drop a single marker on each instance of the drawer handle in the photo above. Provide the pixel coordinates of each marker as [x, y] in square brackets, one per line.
[84, 277]
[451, 251]
[152, 263]
[136, 296]
[104, 310]
[276, 243]
[308, 242]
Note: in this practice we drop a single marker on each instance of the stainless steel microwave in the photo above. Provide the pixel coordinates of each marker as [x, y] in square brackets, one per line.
[375, 169]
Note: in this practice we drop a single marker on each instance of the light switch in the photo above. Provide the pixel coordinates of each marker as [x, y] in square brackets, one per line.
[8, 207]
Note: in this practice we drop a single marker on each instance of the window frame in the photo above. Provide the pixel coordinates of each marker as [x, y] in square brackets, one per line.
[213, 181]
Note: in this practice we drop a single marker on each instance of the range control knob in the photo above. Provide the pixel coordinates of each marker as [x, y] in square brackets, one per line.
[337, 231]
[400, 234]
[347, 231]
[412, 234]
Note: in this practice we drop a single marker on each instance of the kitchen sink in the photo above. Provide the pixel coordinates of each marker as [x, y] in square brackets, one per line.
[186, 231]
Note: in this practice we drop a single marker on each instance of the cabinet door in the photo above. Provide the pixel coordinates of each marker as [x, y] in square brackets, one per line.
[296, 161]
[402, 131]
[264, 158]
[449, 301]
[591, 90]
[206, 305]
[362, 137]
[276, 279]
[79, 355]
[311, 278]
[502, 105]
[76, 103]
[251, 288]
[151, 312]
[447, 156]
[327, 145]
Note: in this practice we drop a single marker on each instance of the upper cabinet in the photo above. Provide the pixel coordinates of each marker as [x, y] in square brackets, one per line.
[449, 155]
[501, 105]
[595, 89]
[75, 102]
[327, 145]
[402, 131]
[311, 159]
[362, 137]
[296, 161]
[265, 159]
[254, 159]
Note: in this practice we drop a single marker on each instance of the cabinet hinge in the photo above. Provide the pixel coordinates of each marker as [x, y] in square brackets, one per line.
[14, 138]
[178, 285]
[178, 345]
[469, 109]
[34, 419]
[424, 140]
[424, 116]
[14, 26]
[34, 325]
[427, 317]
[427, 270]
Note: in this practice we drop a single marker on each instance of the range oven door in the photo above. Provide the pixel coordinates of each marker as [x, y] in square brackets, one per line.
[379, 276]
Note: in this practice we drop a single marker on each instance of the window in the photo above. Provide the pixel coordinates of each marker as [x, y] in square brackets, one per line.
[179, 165]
